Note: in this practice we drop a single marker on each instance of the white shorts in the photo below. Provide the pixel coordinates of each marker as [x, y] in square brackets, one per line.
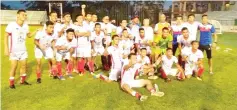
[18, 55]
[134, 83]
[99, 51]
[47, 55]
[171, 72]
[60, 56]
[82, 52]
[189, 68]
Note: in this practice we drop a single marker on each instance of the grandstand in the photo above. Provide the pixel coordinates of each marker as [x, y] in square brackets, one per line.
[33, 17]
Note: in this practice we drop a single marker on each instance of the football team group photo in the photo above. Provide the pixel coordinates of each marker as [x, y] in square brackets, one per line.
[131, 55]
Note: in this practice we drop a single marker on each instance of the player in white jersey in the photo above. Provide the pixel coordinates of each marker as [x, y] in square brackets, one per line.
[15, 48]
[116, 57]
[134, 26]
[166, 69]
[193, 58]
[44, 47]
[146, 67]
[97, 39]
[192, 26]
[149, 33]
[126, 44]
[184, 42]
[83, 46]
[108, 29]
[142, 41]
[123, 25]
[66, 25]
[86, 22]
[65, 47]
[57, 26]
[130, 81]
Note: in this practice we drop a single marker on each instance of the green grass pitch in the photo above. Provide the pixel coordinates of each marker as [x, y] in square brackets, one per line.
[218, 91]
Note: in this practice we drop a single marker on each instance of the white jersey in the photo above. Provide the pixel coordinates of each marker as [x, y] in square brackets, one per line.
[139, 41]
[184, 42]
[129, 75]
[62, 41]
[109, 27]
[45, 39]
[135, 30]
[149, 33]
[144, 60]
[126, 46]
[192, 28]
[119, 30]
[98, 39]
[168, 63]
[192, 57]
[17, 36]
[177, 28]
[83, 41]
[87, 26]
[116, 54]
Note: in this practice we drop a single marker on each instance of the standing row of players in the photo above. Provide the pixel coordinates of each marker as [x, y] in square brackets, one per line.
[126, 51]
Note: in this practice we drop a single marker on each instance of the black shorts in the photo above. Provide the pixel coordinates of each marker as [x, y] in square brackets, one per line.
[174, 48]
[208, 50]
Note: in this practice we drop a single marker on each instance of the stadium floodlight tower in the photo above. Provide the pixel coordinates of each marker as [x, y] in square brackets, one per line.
[57, 4]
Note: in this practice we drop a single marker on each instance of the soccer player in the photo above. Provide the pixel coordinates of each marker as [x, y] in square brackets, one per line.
[93, 22]
[97, 39]
[128, 80]
[14, 44]
[108, 29]
[83, 46]
[44, 46]
[87, 21]
[134, 26]
[66, 25]
[162, 23]
[176, 31]
[193, 58]
[149, 33]
[142, 41]
[184, 42]
[65, 48]
[126, 44]
[117, 58]
[123, 25]
[53, 18]
[146, 67]
[161, 44]
[192, 26]
[207, 31]
[167, 62]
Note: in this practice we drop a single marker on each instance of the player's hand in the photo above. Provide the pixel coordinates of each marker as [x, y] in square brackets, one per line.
[83, 6]
[6, 52]
[105, 31]
[137, 77]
